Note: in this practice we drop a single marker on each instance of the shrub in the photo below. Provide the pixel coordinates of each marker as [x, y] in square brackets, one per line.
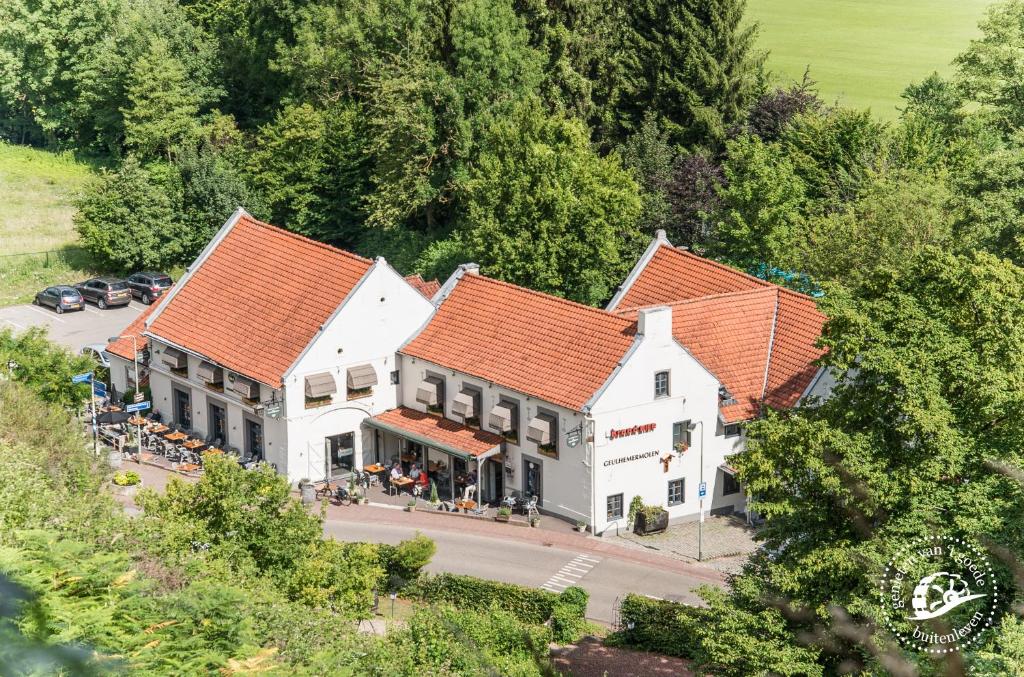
[127, 479]
[658, 625]
[402, 563]
[635, 506]
[569, 616]
[527, 604]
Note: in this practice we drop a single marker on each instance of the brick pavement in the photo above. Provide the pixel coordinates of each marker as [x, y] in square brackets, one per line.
[728, 542]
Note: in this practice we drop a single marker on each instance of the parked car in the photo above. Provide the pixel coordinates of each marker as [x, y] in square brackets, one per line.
[98, 352]
[60, 298]
[148, 286]
[105, 291]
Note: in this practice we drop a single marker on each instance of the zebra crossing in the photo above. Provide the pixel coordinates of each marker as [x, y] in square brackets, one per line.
[571, 573]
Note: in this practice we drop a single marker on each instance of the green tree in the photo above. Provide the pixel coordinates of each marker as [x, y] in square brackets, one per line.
[129, 219]
[43, 367]
[760, 218]
[928, 356]
[693, 62]
[309, 168]
[544, 210]
[162, 108]
[988, 71]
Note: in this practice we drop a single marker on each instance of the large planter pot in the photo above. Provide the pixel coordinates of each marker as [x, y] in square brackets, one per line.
[307, 493]
[643, 527]
[501, 518]
[129, 490]
[115, 459]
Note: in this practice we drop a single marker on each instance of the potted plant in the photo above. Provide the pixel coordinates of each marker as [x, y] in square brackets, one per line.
[503, 514]
[535, 521]
[127, 483]
[635, 506]
[652, 519]
[434, 498]
[681, 447]
[411, 505]
[581, 526]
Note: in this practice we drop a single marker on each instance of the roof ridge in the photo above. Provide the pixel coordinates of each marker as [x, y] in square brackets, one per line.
[302, 238]
[598, 311]
[771, 345]
[698, 299]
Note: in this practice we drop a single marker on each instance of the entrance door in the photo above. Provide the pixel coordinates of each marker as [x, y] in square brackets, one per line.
[341, 454]
[218, 423]
[253, 438]
[532, 472]
[493, 488]
[183, 409]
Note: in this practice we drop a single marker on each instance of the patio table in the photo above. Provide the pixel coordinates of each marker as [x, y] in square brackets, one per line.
[193, 444]
[374, 469]
[402, 483]
[159, 429]
[176, 437]
[465, 505]
[137, 420]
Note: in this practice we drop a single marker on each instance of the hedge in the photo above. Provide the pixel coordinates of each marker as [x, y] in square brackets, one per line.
[529, 605]
[569, 617]
[656, 626]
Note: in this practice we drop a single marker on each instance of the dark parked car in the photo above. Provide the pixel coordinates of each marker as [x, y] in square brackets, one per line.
[60, 298]
[148, 286]
[105, 291]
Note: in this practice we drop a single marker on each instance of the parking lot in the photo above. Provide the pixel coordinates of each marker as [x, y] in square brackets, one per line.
[72, 329]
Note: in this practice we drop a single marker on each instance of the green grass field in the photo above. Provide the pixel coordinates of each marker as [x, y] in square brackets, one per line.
[863, 53]
[37, 190]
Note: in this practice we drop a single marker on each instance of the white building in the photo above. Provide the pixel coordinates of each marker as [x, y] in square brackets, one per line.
[595, 407]
[320, 361]
[279, 347]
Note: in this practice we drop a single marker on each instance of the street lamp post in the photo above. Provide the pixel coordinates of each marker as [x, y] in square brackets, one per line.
[700, 524]
[138, 386]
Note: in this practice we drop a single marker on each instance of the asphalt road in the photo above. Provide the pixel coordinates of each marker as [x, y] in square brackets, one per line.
[510, 561]
[72, 329]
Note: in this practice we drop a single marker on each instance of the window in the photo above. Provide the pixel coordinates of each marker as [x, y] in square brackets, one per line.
[615, 507]
[661, 384]
[681, 436]
[676, 491]
[394, 377]
[731, 430]
[730, 485]
[512, 434]
[340, 453]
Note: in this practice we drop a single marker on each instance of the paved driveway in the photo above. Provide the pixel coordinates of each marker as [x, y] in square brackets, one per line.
[73, 329]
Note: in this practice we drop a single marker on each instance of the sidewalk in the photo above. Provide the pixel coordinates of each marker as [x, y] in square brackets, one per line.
[552, 532]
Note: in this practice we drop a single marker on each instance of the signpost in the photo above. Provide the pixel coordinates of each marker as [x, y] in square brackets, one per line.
[87, 378]
[140, 397]
[99, 389]
[138, 406]
[702, 490]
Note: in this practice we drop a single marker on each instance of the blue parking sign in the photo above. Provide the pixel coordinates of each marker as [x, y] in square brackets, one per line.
[702, 490]
[81, 378]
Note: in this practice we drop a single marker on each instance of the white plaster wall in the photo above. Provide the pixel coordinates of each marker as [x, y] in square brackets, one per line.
[118, 375]
[381, 314]
[565, 481]
[629, 401]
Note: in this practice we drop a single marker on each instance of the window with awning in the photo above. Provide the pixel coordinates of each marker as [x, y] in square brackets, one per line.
[320, 386]
[210, 373]
[246, 387]
[464, 405]
[174, 358]
[431, 392]
[500, 418]
[541, 429]
[361, 377]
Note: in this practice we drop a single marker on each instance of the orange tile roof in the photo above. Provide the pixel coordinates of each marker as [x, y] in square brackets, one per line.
[742, 337]
[258, 299]
[537, 344]
[424, 287]
[444, 432]
[676, 275]
[122, 347]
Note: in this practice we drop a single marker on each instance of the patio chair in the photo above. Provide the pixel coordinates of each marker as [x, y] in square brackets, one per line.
[468, 492]
[530, 507]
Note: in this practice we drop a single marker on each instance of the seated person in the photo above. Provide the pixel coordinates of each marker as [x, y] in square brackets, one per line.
[414, 472]
[423, 480]
[396, 471]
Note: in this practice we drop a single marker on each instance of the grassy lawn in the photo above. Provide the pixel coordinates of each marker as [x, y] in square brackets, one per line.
[863, 53]
[37, 189]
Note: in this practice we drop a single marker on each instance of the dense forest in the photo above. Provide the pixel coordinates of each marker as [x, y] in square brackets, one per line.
[547, 141]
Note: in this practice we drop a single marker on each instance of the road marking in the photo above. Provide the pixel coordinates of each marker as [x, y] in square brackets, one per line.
[52, 316]
[570, 573]
[19, 326]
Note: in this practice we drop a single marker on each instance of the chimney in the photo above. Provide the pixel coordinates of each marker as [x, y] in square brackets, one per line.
[655, 324]
[660, 235]
[470, 268]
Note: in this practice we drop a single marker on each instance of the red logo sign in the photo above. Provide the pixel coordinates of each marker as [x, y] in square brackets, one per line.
[635, 430]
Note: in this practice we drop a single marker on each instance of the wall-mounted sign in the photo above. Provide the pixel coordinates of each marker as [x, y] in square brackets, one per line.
[635, 430]
[572, 437]
[631, 457]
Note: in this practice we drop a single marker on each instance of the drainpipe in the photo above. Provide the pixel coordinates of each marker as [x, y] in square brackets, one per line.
[590, 440]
